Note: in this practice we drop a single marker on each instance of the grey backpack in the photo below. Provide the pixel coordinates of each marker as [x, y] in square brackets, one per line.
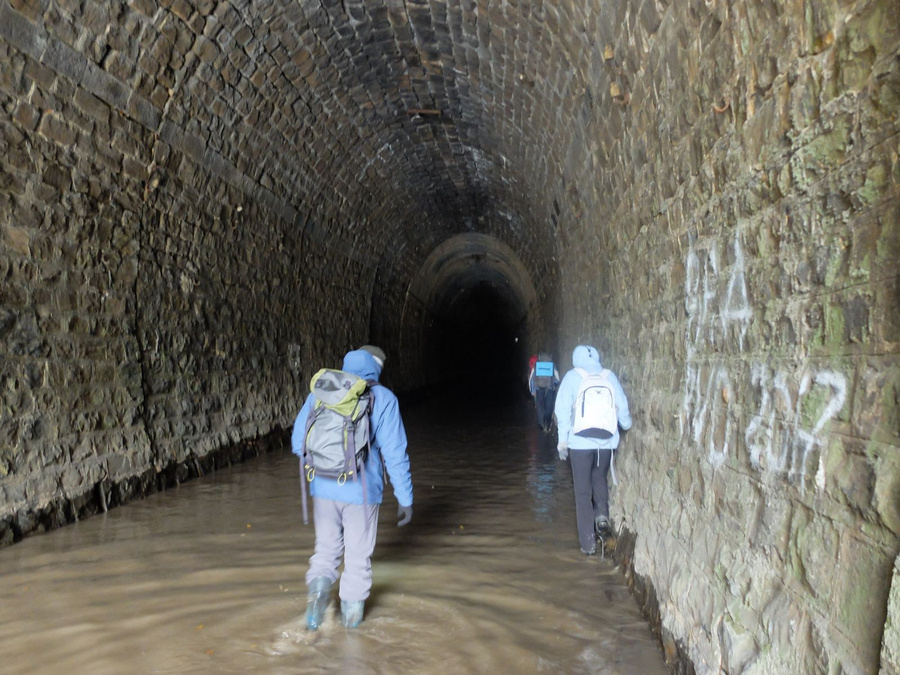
[336, 442]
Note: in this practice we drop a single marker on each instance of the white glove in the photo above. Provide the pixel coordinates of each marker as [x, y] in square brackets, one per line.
[563, 451]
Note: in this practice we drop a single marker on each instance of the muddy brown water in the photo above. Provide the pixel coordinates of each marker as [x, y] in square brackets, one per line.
[208, 577]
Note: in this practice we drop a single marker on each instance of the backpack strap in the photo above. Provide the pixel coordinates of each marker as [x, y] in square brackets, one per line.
[581, 371]
[369, 409]
[304, 478]
[303, 490]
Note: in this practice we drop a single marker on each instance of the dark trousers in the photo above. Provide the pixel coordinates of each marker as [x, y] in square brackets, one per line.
[591, 491]
[544, 399]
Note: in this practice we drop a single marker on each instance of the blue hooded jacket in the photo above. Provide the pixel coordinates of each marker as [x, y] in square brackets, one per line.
[388, 442]
[587, 359]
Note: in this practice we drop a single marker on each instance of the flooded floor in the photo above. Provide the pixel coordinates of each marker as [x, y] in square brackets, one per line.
[208, 577]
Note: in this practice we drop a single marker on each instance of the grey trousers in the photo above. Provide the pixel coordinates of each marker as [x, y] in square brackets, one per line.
[591, 491]
[344, 531]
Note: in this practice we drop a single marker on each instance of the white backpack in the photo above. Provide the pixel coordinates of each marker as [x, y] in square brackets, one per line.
[595, 406]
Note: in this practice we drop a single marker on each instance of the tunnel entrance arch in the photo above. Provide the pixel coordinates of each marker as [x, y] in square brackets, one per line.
[470, 308]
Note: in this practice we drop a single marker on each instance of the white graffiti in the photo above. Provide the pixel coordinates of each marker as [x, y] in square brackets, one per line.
[707, 410]
[775, 437]
[718, 450]
[782, 437]
[737, 304]
[705, 405]
[698, 295]
[703, 294]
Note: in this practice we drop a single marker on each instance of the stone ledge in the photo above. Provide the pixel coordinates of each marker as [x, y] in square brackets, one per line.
[674, 650]
[108, 494]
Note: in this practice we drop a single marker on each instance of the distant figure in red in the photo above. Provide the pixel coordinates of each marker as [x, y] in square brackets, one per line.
[531, 361]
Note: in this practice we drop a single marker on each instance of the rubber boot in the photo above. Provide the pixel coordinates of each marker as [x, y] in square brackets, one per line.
[601, 524]
[316, 601]
[352, 612]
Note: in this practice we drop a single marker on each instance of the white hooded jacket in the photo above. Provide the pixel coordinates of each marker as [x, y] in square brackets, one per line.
[586, 358]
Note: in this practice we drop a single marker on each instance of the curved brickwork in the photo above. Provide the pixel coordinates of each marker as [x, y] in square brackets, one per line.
[459, 263]
[203, 200]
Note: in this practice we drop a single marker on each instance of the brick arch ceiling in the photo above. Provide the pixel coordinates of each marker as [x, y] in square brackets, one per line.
[391, 125]
[466, 260]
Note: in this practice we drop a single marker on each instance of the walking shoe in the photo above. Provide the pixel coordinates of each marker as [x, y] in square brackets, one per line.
[352, 612]
[591, 551]
[317, 601]
[601, 523]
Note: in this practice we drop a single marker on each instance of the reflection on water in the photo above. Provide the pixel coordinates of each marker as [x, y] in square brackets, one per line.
[208, 577]
[544, 478]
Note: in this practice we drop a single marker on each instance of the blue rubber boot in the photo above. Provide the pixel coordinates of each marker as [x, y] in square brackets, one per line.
[352, 612]
[316, 601]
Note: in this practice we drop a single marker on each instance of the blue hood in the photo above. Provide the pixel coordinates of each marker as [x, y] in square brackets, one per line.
[362, 364]
[587, 358]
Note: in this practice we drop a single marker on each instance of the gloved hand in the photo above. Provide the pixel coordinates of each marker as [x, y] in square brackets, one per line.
[404, 513]
[563, 451]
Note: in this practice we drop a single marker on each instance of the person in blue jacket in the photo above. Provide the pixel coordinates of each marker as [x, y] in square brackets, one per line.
[345, 522]
[591, 458]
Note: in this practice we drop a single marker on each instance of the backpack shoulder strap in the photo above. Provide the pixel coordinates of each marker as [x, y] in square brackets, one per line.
[365, 402]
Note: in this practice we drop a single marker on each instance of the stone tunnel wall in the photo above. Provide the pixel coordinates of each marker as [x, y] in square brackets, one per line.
[748, 226]
[152, 309]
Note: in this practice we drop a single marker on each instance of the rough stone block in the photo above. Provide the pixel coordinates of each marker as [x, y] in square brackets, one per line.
[143, 112]
[64, 60]
[858, 607]
[92, 106]
[890, 650]
[40, 74]
[20, 32]
[887, 486]
[105, 87]
[54, 128]
[146, 7]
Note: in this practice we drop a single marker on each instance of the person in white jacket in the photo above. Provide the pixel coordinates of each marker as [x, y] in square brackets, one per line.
[590, 457]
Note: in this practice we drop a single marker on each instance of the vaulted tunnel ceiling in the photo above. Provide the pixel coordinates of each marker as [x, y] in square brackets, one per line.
[390, 125]
[382, 128]
[466, 261]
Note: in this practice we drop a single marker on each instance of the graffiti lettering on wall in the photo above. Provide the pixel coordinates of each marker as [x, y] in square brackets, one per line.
[787, 428]
[706, 401]
[713, 310]
[783, 435]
